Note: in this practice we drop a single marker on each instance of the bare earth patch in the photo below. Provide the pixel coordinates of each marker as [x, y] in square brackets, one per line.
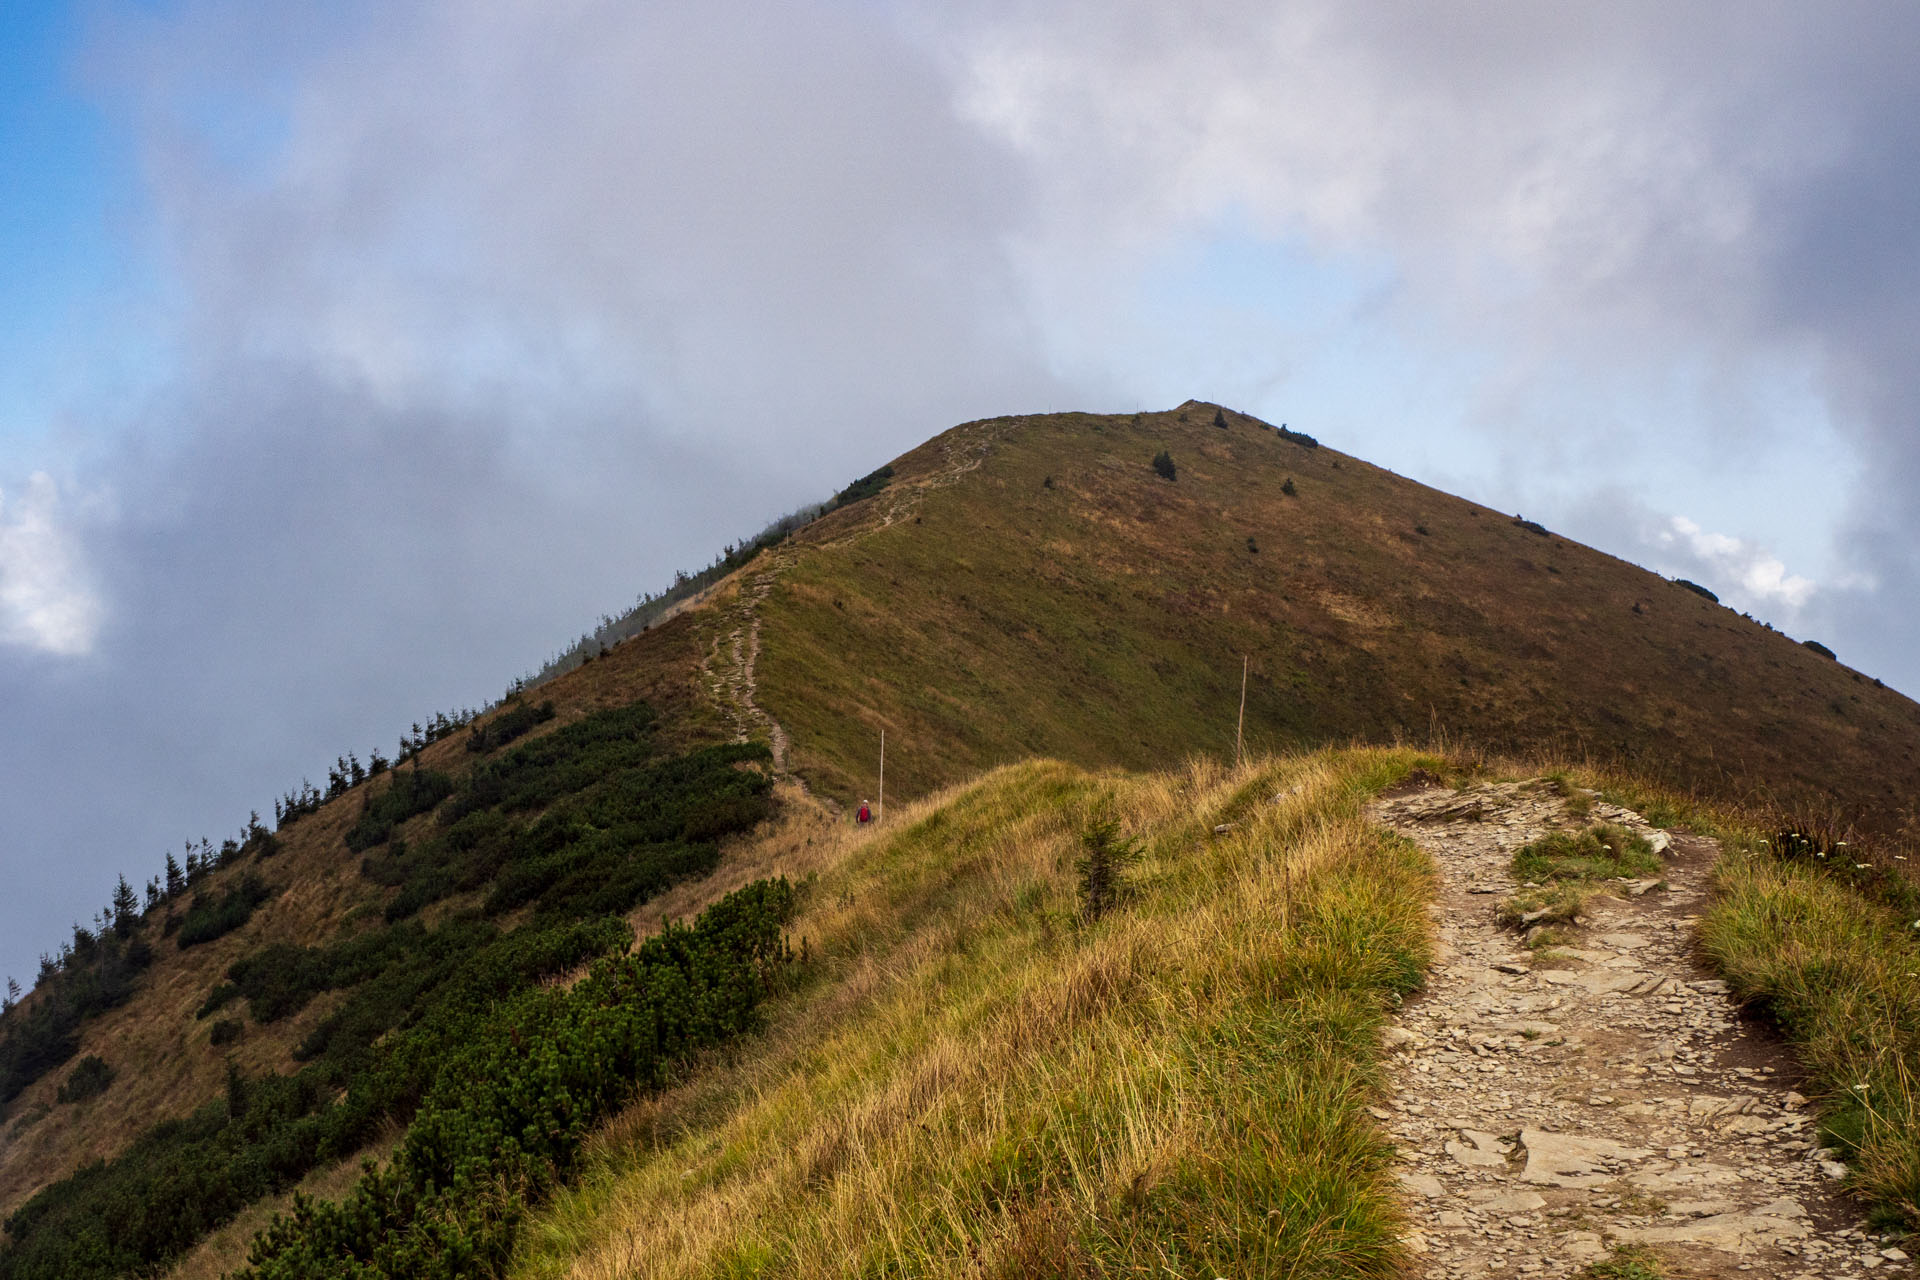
[1554, 1105]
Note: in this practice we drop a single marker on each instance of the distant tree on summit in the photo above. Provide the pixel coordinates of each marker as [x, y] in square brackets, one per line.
[1220, 418]
[176, 879]
[1163, 463]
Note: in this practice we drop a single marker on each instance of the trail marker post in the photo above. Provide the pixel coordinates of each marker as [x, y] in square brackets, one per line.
[1240, 725]
[880, 810]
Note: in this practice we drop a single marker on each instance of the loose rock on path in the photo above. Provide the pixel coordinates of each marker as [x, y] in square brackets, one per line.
[1553, 1107]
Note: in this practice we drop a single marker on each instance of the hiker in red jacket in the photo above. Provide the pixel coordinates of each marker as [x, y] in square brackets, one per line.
[865, 815]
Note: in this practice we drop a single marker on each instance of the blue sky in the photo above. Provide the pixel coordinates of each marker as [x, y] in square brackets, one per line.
[64, 173]
[353, 359]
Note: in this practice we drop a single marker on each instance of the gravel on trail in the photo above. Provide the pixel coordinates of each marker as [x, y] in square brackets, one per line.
[1552, 1107]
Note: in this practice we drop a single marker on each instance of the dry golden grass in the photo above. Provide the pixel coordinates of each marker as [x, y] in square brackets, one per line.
[977, 1081]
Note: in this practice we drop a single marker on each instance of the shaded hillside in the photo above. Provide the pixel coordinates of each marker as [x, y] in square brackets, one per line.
[166, 1048]
[1033, 586]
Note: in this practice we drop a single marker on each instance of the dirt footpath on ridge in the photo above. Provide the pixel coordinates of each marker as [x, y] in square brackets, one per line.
[1551, 1108]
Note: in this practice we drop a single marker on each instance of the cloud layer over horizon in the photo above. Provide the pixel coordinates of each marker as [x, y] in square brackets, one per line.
[450, 326]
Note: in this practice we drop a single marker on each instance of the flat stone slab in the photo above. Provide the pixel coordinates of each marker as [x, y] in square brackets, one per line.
[1727, 1232]
[1667, 1176]
[1489, 1201]
[1481, 1150]
[1563, 1160]
[1422, 1184]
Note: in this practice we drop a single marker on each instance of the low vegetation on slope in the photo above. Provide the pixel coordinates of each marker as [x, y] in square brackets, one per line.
[126, 990]
[536, 854]
[981, 1078]
[514, 1096]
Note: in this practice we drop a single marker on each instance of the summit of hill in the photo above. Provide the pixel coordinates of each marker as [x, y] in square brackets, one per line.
[1032, 585]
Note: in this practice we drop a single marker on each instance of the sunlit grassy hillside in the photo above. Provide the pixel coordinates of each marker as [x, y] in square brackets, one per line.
[978, 1079]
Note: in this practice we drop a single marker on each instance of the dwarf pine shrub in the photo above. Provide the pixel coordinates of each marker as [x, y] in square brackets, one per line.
[88, 1079]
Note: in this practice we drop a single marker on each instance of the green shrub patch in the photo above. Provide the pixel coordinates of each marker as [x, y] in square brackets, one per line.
[209, 917]
[449, 1020]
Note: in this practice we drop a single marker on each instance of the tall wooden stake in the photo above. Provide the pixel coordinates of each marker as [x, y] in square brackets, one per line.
[881, 808]
[1240, 726]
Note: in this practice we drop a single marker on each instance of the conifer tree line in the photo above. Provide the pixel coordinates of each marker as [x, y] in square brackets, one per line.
[348, 772]
[180, 878]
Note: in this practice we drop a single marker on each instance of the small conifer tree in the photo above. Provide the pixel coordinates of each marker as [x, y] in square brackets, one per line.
[126, 908]
[1163, 463]
[1103, 864]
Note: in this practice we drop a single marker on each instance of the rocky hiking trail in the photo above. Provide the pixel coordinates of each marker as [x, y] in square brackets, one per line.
[734, 650]
[732, 656]
[1552, 1107]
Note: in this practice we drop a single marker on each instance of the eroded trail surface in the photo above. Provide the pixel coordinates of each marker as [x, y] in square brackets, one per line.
[733, 655]
[1553, 1107]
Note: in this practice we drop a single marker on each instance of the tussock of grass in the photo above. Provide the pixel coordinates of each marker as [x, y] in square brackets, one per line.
[980, 1081]
[1629, 1262]
[1567, 869]
[1840, 974]
[1601, 852]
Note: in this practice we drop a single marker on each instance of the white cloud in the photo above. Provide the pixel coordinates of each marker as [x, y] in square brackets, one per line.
[46, 602]
[1759, 575]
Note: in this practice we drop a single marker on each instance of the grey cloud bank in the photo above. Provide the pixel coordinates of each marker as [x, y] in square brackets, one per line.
[482, 318]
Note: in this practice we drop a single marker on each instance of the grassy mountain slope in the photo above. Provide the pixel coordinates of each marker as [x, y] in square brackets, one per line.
[978, 1080]
[1032, 586]
[1028, 587]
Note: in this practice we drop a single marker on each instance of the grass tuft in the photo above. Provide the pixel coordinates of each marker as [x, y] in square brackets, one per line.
[1566, 869]
[1628, 1262]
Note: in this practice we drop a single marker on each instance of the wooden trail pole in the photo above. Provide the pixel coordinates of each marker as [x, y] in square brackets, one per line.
[880, 809]
[1240, 725]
